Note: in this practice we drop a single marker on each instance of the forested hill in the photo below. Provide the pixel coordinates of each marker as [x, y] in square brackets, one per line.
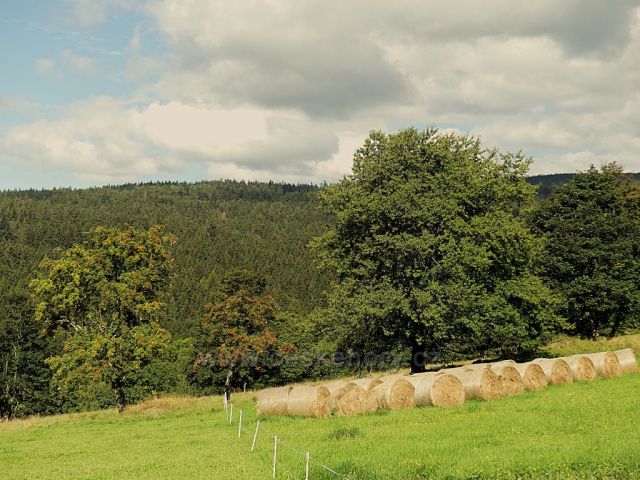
[548, 183]
[264, 227]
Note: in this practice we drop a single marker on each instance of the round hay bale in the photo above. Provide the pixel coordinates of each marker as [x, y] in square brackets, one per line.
[556, 370]
[533, 376]
[502, 363]
[440, 390]
[582, 368]
[606, 363]
[628, 360]
[273, 401]
[476, 366]
[510, 379]
[367, 383]
[394, 394]
[309, 402]
[481, 383]
[347, 398]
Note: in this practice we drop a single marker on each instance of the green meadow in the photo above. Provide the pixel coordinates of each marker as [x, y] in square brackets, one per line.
[582, 430]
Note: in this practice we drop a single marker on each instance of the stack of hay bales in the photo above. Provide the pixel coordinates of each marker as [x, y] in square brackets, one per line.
[533, 377]
[510, 378]
[606, 363]
[348, 398]
[437, 389]
[451, 386]
[394, 393]
[309, 402]
[628, 360]
[273, 401]
[479, 381]
[556, 370]
[367, 383]
[582, 367]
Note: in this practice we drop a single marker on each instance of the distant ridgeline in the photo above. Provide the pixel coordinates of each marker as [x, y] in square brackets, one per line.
[548, 183]
[221, 225]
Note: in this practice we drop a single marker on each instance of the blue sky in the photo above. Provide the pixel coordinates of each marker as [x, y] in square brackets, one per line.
[97, 92]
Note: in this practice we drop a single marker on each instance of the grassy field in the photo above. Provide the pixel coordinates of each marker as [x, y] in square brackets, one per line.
[570, 345]
[585, 430]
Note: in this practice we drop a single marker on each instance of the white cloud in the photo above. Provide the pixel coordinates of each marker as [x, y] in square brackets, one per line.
[108, 139]
[288, 90]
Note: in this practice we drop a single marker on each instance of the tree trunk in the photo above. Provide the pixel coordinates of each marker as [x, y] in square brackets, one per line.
[418, 358]
[616, 326]
[227, 384]
[121, 399]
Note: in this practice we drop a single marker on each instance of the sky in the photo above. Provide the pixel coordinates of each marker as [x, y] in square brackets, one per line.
[96, 92]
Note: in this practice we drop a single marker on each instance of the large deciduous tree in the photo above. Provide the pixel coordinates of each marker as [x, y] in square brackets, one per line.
[592, 255]
[237, 334]
[429, 251]
[106, 293]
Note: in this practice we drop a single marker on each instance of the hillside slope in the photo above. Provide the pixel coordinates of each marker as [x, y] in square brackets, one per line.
[264, 227]
[584, 430]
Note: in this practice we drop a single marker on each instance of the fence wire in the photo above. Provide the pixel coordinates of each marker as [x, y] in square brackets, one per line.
[290, 461]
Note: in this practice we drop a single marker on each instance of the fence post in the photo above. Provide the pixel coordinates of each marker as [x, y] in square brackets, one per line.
[231, 414]
[306, 468]
[255, 436]
[240, 425]
[275, 454]
[226, 406]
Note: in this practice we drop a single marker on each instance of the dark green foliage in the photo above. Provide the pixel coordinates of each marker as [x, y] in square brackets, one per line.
[24, 377]
[104, 296]
[221, 226]
[263, 227]
[428, 251]
[237, 336]
[548, 183]
[592, 225]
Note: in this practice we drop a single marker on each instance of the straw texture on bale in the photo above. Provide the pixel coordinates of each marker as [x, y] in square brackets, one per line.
[510, 379]
[481, 383]
[367, 383]
[556, 370]
[476, 366]
[440, 390]
[309, 402]
[273, 401]
[582, 368]
[606, 363]
[533, 376]
[502, 363]
[349, 399]
[394, 394]
[628, 360]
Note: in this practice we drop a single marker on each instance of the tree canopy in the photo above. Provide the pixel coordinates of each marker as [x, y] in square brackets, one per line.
[429, 251]
[592, 230]
[237, 333]
[106, 293]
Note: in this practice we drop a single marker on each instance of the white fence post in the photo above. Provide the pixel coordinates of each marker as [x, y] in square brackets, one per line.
[255, 436]
[240, 425]
[275, 454]
[306, 468]
[226, 406]
[231, 414]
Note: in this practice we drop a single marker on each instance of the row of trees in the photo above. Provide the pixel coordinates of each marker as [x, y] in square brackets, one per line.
[438, 249]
